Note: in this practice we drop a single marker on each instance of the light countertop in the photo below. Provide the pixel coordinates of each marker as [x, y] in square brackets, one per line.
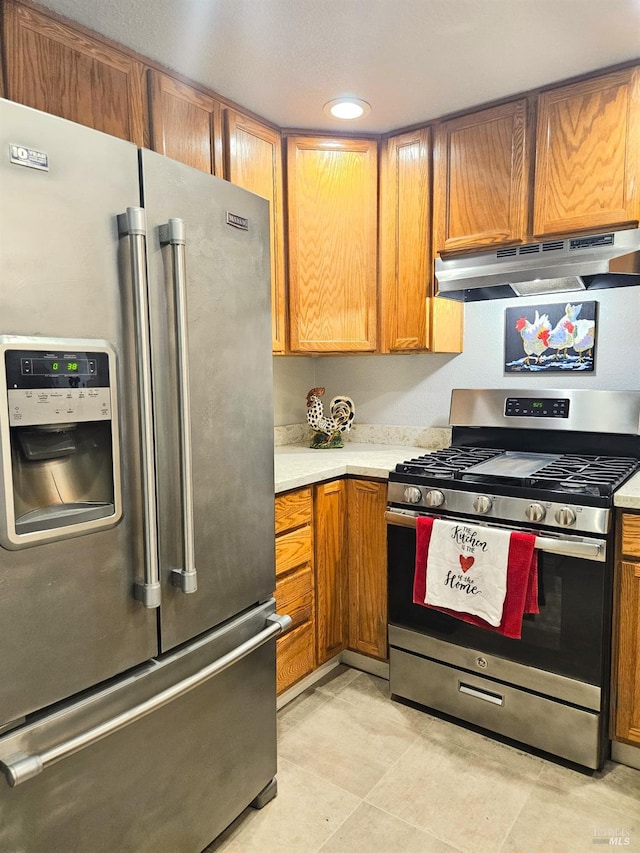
[628, 495]
[297, 465]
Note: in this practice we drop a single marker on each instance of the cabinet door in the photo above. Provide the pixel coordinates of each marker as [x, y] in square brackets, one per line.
[330, 531]
[627, 711]
[588, 155]
[64, 71]
[367, 561]
[405, 241]
[332, 205]
[254, 161]
[481, 179]
[186, 125]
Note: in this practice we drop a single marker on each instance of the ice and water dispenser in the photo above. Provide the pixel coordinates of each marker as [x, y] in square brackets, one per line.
[59, 433]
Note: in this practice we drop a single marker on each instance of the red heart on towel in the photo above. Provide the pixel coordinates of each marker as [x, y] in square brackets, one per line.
[466, 563]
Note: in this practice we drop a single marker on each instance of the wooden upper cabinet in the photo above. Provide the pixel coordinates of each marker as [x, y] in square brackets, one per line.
[411, 319]
[186, 124]
[332, 206]
[254, 161]
[60, 70]
[481, 179]
[588, 155]
[405, 238]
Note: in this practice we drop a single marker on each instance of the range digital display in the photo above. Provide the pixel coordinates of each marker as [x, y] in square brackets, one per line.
[532, 407]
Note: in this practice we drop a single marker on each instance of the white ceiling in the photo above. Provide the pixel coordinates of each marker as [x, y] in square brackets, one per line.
[413, 60]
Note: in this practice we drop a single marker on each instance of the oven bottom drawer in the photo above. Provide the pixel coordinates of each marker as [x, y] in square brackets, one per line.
[545, 724]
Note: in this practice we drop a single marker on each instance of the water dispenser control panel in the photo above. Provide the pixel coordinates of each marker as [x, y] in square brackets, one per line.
[57, 386]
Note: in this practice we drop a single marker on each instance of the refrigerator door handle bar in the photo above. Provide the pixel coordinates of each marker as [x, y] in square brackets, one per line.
[20, 767]
[174, 235]
[133, 224]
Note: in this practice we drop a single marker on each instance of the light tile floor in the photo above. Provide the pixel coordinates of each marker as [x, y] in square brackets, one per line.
[361, 773]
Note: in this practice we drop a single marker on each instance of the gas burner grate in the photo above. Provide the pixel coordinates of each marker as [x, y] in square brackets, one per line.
[448, 462]
[571, 472]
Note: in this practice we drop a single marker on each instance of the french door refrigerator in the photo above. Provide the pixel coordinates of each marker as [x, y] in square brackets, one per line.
[137, 624]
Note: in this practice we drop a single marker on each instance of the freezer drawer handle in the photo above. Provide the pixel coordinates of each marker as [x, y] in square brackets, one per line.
[174, 235]
[132, 224]
[20, 767]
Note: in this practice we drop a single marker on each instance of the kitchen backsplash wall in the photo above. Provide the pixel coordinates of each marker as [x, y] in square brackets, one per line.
[415, 390]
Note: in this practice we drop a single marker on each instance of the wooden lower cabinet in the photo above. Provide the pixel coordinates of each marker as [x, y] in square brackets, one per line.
[627, 628]
[331, 574]
[367, 560]
[332, 614]
[295, 651]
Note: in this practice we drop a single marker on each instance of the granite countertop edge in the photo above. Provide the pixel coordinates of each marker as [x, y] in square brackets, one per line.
[628, 496]
[299, 465]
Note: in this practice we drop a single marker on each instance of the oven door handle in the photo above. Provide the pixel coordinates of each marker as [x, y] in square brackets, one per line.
[589, 549]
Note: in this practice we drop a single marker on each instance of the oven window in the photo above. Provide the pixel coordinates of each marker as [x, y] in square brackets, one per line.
[566, 637]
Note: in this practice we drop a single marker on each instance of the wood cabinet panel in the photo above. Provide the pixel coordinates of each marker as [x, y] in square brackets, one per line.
[367, 561]
[631, 535]
[293, 549]
[405, 250]
[332, 204]
[627, 711]
[60, 70]
[294, 656]
[186, 125]
[294, 595]
[588, 155]
[254, 161]
[293, 509]
[481, 179]
[330, 516]
[295, 651]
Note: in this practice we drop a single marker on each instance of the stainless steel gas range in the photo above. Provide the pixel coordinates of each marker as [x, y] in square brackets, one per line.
[546, 462]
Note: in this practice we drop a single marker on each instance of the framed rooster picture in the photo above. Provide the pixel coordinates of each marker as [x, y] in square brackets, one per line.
[551, 338]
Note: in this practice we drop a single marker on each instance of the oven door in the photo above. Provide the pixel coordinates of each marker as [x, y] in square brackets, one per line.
[569, 637]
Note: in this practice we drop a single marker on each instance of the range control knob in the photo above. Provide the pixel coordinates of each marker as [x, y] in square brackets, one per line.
[412, 495]
[565, 516]
[535, 512]
[434, 497]
[482, 504]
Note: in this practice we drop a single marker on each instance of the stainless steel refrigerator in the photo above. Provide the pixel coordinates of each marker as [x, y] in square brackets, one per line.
[137, 625]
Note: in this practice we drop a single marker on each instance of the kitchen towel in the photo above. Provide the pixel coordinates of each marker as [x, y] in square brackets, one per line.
[461, 571]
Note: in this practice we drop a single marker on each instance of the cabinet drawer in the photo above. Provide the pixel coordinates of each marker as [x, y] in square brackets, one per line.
[631, 535]
[293, 510]
[293, 549]
[294, 656]
[294, 595]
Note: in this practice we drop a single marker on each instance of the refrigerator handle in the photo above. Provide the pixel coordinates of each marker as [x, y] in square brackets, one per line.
[20, 767]
[173, 234]
[132, 224]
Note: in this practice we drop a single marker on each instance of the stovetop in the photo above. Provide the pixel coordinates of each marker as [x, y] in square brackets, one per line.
[569, 474]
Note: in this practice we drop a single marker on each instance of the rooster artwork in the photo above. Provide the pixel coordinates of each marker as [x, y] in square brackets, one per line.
[328, 430]
[556, 339]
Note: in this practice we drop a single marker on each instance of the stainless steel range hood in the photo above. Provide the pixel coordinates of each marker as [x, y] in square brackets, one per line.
[592, 262]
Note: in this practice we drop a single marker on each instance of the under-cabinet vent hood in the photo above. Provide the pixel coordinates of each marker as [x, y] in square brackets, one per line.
[592, 262]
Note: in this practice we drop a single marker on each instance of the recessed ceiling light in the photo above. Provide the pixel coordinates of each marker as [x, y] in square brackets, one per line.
[347, 108]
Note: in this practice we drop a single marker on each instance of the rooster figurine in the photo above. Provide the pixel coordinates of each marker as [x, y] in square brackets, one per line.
[328, 430]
